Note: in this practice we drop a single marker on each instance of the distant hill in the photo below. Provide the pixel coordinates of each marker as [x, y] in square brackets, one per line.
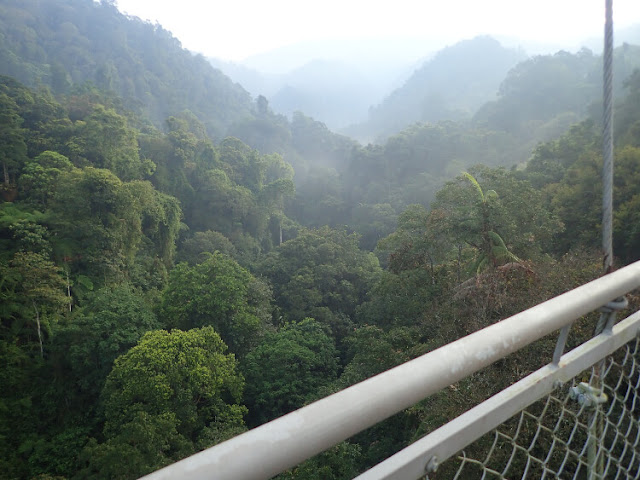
[336, 92]
[330, 91]
[630, 35]
[254, 81]
[450, 86]
[334, 80]
[545, 94]
[64, 43]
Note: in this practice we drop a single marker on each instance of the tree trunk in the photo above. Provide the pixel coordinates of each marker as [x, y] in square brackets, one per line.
[39, 330]
[68, 288]
[433, 277]
[459, 261]
[5, 170]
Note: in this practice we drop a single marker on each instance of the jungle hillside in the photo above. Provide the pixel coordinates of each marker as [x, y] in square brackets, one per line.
[182, 260]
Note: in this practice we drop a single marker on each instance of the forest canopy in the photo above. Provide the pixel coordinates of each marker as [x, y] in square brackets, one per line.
[179, 263]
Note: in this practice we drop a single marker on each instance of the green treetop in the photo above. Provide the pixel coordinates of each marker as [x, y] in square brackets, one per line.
[168, 397]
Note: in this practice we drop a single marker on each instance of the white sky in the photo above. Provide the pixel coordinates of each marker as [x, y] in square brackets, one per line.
[236, 29]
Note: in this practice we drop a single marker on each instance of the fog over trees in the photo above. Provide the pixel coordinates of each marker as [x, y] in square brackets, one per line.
[182, 260]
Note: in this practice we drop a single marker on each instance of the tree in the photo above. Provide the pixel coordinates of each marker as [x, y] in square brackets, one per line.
[100, 223]
[321, 274]
[244, 165]
[495, 227]
[220, 293]
[223, 206]
[13, 149]
[549, 161]
[287, 368]
[22, 229]
[492, 248]
[32, 302]
[373, 222]
[110, 143]
[371, 350]
[159, 220]
[415, 243]
[40, 175]
[112, 321]
[576, 199]
[402, 299]
[168, 397]
[415, 255]
[194, 249]
[38, 289]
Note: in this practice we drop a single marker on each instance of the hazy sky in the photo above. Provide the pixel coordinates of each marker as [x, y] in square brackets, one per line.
[236, 29]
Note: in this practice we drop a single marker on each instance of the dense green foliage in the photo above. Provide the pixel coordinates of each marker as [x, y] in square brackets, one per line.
[321, 274]
[166, 398]
[288, 368]
[61, 44]
[161, 289]
[220, 293]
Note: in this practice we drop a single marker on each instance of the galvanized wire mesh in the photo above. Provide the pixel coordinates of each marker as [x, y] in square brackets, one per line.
[568, 434]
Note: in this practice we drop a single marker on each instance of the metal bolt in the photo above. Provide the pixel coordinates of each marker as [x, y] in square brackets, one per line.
[432, 465]
[573, 393]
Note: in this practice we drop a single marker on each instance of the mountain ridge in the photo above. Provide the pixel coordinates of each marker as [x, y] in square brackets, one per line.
[63, 44]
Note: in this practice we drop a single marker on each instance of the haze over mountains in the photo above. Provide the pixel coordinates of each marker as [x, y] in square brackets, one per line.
[368, 88]
[340, 91]
[333, 81]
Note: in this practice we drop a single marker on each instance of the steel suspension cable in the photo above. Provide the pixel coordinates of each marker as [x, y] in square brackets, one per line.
[607, 139]
[595, 456]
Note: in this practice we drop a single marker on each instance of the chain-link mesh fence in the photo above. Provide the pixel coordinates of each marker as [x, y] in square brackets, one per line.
[579, 431]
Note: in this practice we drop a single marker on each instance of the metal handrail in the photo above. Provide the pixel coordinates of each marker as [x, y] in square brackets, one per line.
[285, 442]
[424, 455]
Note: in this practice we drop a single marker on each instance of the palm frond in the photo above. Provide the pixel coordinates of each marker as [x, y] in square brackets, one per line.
[475, 183]
[499, 249]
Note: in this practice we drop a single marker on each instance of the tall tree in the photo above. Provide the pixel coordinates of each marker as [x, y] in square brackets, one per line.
[39, 289]
[168, 397]
[111, 144]
[111, 322]
[13, 149]
[321, 274]
[287, 369]
[40, 175]
[494, 226]
[219, 293]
